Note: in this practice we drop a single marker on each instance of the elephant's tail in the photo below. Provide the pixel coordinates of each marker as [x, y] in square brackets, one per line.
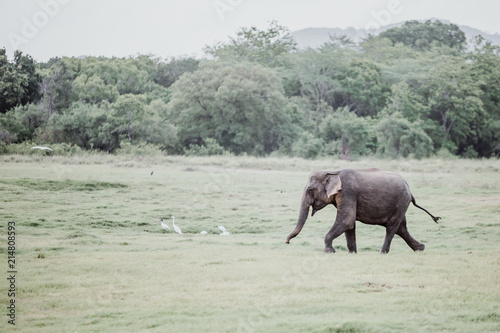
[435, 218]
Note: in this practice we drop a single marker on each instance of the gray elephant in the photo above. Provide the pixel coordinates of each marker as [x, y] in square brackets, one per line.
[371, 196]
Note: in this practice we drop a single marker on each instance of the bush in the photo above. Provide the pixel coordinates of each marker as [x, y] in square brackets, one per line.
[127, 148]
[65, 149]
[307, 146]
[25, 148]
[398, 137]
[469, 153]
[445, 154]
[346, 134]
[415, 142]
[210, 148]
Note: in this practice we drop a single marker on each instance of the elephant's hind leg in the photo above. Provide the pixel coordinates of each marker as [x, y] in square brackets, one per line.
[412, 242]
[350, 236]
[391, 228]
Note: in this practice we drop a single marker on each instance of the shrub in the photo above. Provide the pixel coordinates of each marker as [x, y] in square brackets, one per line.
[346, 134]
[209, 148]
[445, 154]
[307, 146]
[127, 148]
[398, 137]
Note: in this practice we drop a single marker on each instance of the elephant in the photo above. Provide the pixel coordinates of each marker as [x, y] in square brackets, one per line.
[371, 196]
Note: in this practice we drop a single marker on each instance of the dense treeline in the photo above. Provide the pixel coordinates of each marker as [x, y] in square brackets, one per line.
[410, 91]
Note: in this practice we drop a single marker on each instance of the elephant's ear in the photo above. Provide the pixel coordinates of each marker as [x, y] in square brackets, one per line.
[333, 185]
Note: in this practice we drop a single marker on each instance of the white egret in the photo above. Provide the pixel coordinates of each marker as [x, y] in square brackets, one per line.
[176, 227]
[164, 225]
[224, 231]
[42, 148]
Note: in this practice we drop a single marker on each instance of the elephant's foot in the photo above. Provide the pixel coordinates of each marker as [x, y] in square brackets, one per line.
[329, 249]
[419, 247]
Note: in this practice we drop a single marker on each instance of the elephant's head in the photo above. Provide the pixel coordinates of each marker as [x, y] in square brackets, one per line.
[318, 193]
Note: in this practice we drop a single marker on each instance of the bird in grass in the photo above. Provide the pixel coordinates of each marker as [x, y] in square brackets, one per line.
[204, 232]
[41, 148]
[176, 227]
[224, 231]
[164, 225]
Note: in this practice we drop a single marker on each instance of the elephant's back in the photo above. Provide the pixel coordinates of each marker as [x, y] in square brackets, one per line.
[380, 193]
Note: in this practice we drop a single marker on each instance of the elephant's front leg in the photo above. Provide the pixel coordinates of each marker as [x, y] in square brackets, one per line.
[344, 222]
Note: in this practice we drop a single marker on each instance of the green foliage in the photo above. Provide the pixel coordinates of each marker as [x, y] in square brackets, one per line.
[319, 75]
[139, 149]
[454, 100]
[346, 134]
[259, 95]
[84, 125]
[58, 149]
[19, 81]
[171, 71]
[397, 137]
[405, 103]
[445, 154]
[485, 68]
[307, 146]
[57, 84]
[415, 142]
[240, 106]
[253, 45]
[9, 128]
[364, 87]
[210, 147]
[129, 111]
[423, 36]
[92, 90]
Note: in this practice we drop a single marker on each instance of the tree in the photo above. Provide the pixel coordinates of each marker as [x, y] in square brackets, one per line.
[319, 75]
[171, 71]
[128, 75]
[93, 90]
[423, 36]
[57, 84]
[253, 45]
[485, 68]
[405, 103]
[155, 127]
[82, 125]
[240, 106]
[398, 137]
[19, 81]
[307, 146]
[346, 134]
[21, 123]
[382, 50]
[129, 111]
[454, 100]
[364, 87]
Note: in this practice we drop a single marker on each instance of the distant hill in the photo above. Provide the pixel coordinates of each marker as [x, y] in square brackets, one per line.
[315, 37]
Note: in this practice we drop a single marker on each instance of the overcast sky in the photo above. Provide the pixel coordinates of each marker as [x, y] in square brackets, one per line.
[55, 28]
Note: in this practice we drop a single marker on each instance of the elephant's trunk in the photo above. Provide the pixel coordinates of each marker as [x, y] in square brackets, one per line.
[300, 223]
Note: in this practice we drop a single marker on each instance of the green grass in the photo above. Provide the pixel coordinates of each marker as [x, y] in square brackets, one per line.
[92, 257]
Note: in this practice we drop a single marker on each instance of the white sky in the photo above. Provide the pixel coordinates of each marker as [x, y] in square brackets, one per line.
[50, 28]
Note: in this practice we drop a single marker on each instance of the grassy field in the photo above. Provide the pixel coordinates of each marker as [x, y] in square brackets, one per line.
[91, 255]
